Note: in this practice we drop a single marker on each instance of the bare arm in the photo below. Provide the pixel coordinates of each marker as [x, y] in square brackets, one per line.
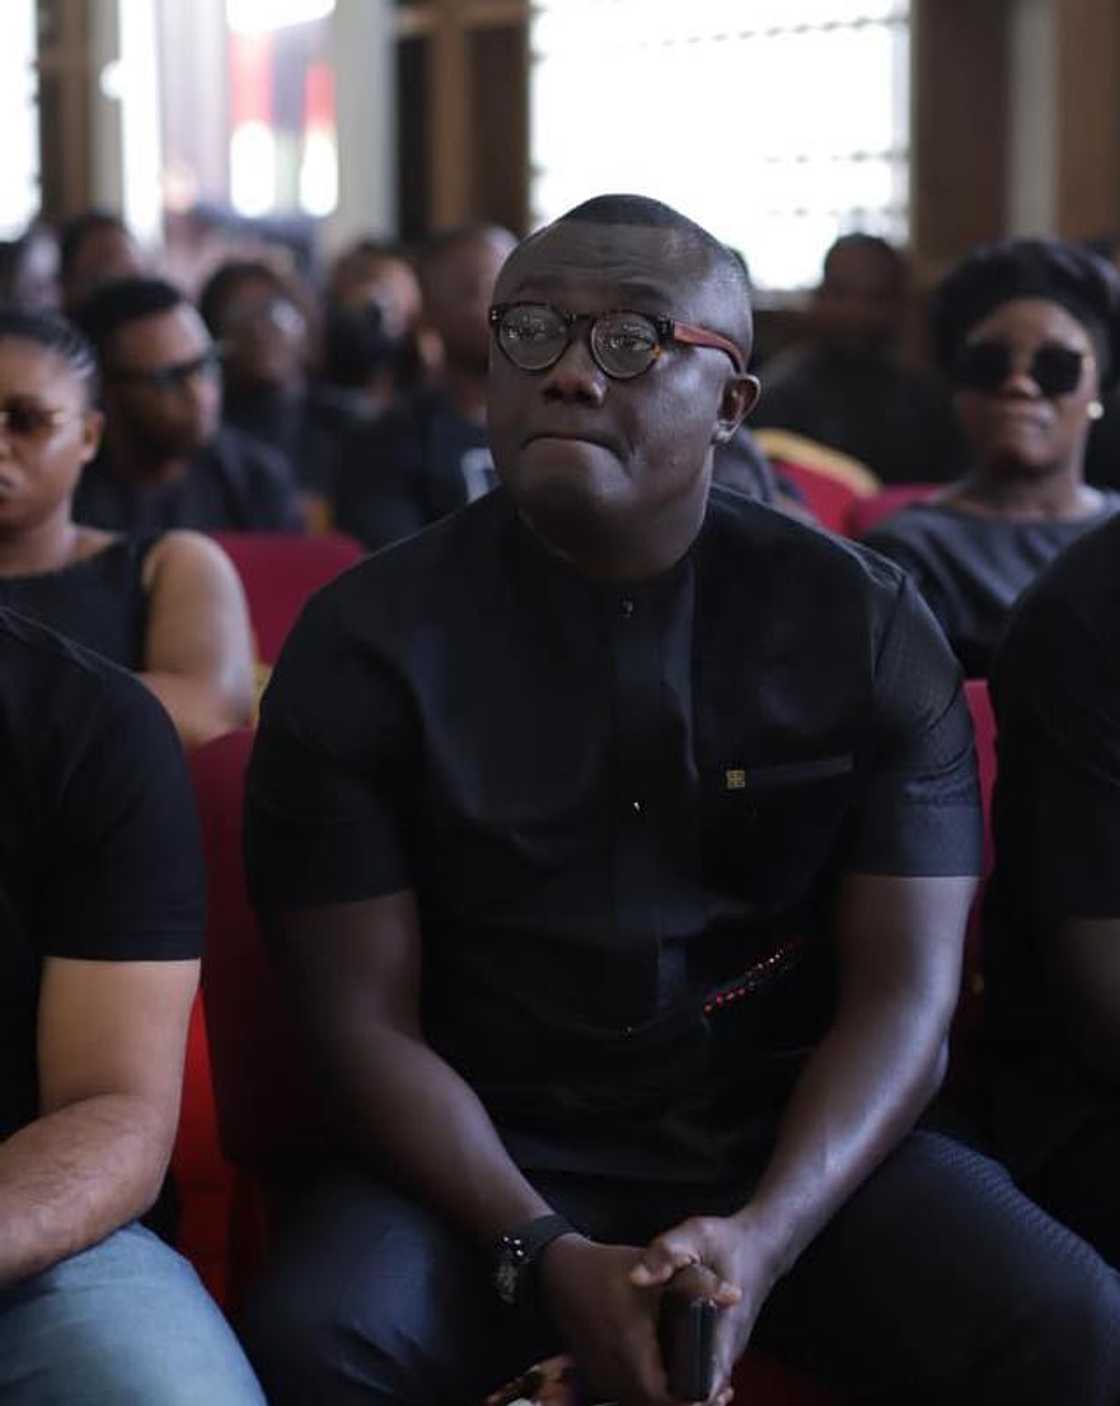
[356, 971]
[198, 655]
[900, 942]
[111, 1037]
[1084, 963]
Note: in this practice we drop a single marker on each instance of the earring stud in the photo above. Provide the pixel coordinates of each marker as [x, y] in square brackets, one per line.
[1095, 410]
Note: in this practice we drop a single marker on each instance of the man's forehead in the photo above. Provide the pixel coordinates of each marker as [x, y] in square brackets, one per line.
[178, 329]
[656, 265]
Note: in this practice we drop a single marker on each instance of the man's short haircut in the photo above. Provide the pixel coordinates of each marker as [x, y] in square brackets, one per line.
[56, 335]
[645, 212]
[227, 278]
[125, 300]
[869, 244]
[75, 231]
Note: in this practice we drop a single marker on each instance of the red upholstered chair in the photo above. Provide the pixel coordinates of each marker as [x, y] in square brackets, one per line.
[865, 514]
[831, 482]
[967, 1021]
[279, 571]
[204, 1180]
[268, 1113]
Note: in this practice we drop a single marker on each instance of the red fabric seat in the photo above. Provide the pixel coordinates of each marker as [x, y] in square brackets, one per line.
[967, 1020]
[865, 514]
[279, 572]
[204, 1180]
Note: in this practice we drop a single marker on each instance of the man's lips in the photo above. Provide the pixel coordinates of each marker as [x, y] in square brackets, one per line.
[574, 437]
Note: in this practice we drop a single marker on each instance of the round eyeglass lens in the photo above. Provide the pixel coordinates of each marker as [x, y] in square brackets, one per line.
[532, 336]
[624, 343]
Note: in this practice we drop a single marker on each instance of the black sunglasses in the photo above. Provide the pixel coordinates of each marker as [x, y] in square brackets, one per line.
[534, 336]
[985, 366]
[26, 420]
[171, 378]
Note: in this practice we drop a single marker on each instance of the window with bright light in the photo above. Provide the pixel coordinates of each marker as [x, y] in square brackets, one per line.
[777, 124]
[283, 150]
[19, 118]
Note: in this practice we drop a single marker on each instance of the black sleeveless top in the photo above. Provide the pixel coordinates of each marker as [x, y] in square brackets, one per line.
[99, 602]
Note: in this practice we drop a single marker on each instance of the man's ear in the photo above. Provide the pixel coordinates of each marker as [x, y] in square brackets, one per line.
[740, 394]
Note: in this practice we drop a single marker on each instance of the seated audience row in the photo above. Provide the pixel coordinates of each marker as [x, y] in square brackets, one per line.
[619, 876]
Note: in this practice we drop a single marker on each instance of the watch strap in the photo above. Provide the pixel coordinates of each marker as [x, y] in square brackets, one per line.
[518, 1250]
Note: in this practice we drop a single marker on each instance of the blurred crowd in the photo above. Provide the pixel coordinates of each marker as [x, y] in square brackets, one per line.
[242, 389]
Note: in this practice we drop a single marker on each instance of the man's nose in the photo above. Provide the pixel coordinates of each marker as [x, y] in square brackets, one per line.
[575, 377]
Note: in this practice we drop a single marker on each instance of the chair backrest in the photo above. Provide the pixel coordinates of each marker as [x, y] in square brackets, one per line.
[830, 481]
[866, 514]
[269, 1114]
[967, 1022]
[280, 571]
[984, 726]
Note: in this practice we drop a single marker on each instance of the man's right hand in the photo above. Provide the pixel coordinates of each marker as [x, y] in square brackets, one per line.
[609, 1325]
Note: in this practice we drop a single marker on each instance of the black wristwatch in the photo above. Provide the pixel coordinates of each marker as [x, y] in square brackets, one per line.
[516, 1253]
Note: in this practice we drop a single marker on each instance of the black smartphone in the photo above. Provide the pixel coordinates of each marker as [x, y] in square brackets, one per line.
[686, 1329]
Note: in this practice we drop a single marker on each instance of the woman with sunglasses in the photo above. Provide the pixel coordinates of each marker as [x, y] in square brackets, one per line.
[169, 607]
[1027, 332]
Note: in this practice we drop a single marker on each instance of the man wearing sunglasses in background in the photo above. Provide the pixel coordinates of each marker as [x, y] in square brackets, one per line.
[1028, 333]
[166, 461]
[621, 877]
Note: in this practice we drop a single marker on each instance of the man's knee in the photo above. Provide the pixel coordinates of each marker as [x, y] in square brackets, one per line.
[370, 1298]
[126, 1321]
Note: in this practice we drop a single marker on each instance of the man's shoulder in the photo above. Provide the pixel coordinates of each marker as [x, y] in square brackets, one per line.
[415, 576]
[797, 555]
[1077, 596]
[67, 698]
[244, 453]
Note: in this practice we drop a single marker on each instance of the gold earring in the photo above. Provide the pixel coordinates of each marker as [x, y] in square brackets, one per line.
[1096, 410]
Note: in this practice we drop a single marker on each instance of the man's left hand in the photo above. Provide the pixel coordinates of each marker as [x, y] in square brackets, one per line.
[742, 1262]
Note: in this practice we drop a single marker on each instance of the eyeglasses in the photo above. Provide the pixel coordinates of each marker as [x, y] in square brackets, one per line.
[534, 336]
[24, 419]
[171, 378]
[984, 366]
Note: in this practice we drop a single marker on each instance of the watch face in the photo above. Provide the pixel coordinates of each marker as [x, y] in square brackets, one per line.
[505, 1279]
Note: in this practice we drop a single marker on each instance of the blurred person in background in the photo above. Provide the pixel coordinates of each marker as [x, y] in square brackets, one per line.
[428, 458]
[847, 388]
[263, 326]
[29, 269]
[95, 248]
[375, 351]
[170, 608]
[166, 460]
[1028, 333]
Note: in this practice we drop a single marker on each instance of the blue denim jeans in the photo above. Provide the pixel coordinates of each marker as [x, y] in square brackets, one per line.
[126, 1322]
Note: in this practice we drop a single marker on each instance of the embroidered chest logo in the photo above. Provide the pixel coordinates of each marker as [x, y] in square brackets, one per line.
[735, 779]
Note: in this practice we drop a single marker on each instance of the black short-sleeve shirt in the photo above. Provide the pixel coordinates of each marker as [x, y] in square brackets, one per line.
[99, 850]
[1056, 688]
[623, 809]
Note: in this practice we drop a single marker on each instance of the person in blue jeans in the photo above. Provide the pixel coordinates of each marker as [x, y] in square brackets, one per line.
[101, 916]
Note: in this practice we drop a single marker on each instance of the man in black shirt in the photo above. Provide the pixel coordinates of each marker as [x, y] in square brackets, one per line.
[622, 874]
[165, 462]
[100, 931]
[847, 388]
[430, 456]
[1053, 944]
